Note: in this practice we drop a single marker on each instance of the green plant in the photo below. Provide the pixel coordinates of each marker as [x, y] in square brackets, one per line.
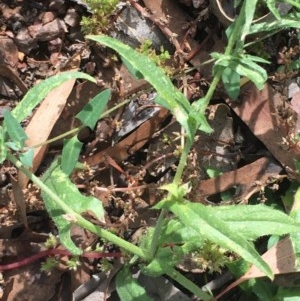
[158, 59]
[102, 11]
[233, 228]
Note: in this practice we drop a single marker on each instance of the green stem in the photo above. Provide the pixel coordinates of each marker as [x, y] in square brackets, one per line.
[66, 134]
[157, 233]
[78, 129]
[182, 162]
[188, 284]
[188, 145]
[294, 3]
[80, 221]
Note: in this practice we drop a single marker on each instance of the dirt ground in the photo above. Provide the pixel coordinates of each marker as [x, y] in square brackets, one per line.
[133, 151]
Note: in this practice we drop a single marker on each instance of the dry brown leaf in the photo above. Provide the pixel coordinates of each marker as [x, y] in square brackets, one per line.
[41, 124]
[250, 179]
[264, 113]
[132, 143]
[280, 258]
[19, 198]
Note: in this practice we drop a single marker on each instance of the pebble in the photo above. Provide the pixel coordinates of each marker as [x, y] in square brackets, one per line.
[72, 18]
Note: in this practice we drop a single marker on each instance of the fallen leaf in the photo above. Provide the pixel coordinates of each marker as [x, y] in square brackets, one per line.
[261, 110]
[41, 124]
[280, 258]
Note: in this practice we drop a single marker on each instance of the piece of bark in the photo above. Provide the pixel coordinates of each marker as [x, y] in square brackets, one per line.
[280, 258]
[262, 111]
[10, 73]
[249, 179]
[132, 143]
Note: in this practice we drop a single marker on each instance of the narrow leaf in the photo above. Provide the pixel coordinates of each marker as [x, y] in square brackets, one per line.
[231, 82]
[275, 25]
[295, 237]
[59, 182]
[91, 112]
[27, 157]
[253, 221]
[203, 220]
[3, 150]
[136, 73]
[14, 129]
[128, 288]
[36, 94]
[170, 98]
[70, 154]
[273, 9]
[256, 74]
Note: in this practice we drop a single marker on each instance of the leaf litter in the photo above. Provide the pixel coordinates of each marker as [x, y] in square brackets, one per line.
[47, 42]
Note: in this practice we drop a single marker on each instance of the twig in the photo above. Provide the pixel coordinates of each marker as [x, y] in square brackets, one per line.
[50, 252]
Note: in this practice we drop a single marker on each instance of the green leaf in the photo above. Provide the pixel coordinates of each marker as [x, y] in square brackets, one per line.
[90, 114]
[231, 81]
[70, 154]
[27, 157]
[176, 233]
[273, 9]
[136, 73]
[248, 10]
[14, 130]
[13, 145]
[169, 97]
[281, 24]
[295, 237]
[60, 183]
[128, 288]
[3, 150]
[177, 191]
[36, 94]
[251, 70]
[209, 226]
[255, 58]
[197, 119]
[164, 260]
[287, 294]
[262, 289]
[253, 221]
[239, 29]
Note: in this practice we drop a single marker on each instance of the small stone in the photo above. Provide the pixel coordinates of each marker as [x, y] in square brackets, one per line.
[35, 28]
[56, 4]
[72, 18]
[47, 17]
[8, 52]
[24, 41]
[52, 30]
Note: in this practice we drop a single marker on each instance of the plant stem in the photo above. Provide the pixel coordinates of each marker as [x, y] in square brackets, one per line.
[187, 147]
[294, 3]
[182, 162]
[188, 284]
[80, 221]
[157, 233]
[74, 131]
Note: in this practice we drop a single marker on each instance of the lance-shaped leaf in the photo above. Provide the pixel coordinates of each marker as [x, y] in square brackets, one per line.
[14, 129]
[253, 221]
[60, 183]
[203, 220]
[169, 97]
[91, 112]
[70, 154]
[3, 150]
[37, 93]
